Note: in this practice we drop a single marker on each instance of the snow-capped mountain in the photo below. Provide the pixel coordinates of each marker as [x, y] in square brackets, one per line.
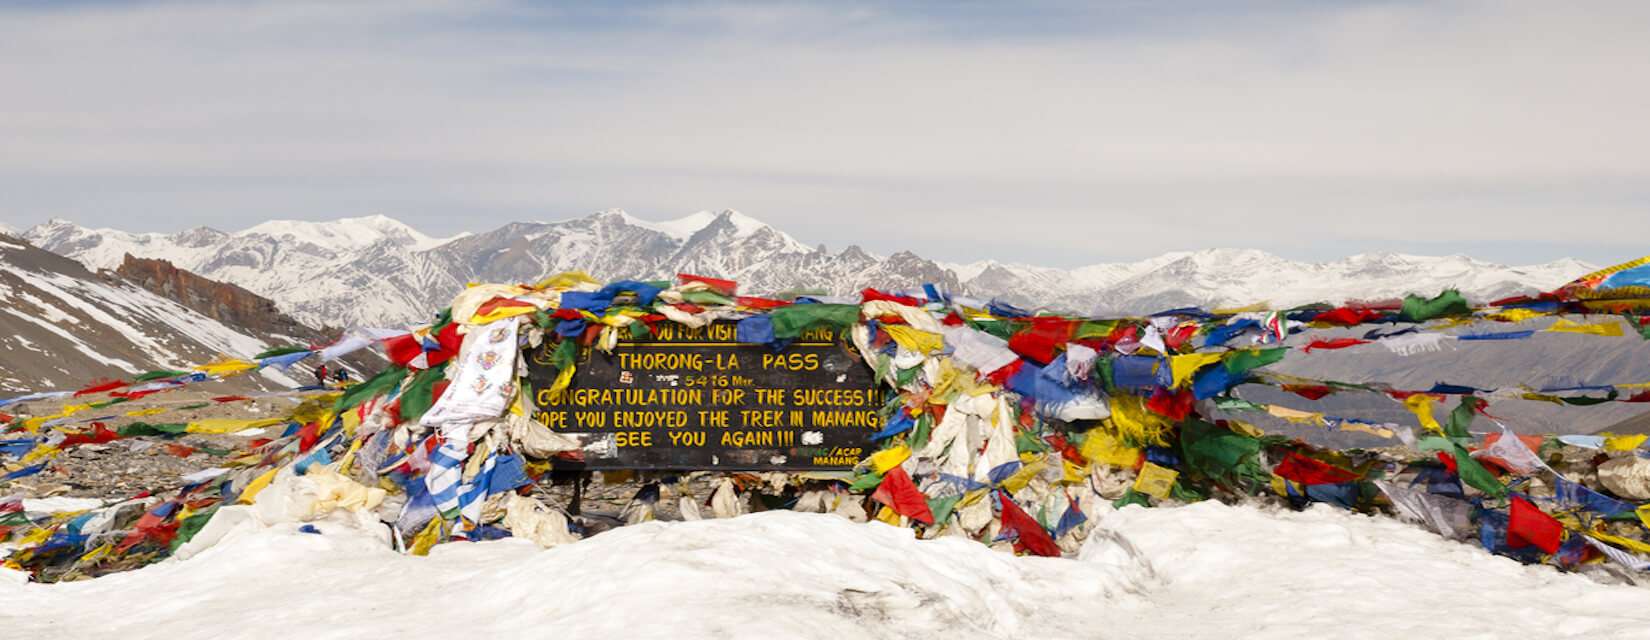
[63, 325]
[1215, 278]
[377, 271]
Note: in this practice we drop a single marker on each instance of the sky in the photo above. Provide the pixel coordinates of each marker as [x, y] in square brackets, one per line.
[1051, 133]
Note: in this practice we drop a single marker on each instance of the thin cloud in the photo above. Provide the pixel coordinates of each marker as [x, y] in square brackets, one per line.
[1060, 134]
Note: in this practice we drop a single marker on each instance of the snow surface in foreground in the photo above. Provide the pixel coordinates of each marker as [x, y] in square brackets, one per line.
[1205, 570]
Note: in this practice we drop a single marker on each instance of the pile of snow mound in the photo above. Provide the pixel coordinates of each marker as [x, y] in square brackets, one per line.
[1326, 573]
[1205, 570]
[327, 501]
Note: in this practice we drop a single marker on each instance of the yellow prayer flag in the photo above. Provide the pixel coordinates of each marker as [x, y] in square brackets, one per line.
[1182, 367]
[1245, 428]
[39, 535]
[100, 551]
[1381, 432]
[1420, 404]
[914, 339]
[1135, 422]
[345, 462]
[502, 312]
[1601, 328]
[230, 425]
[1155, 481]
[1294, 415]
[250, 493]
[227, 367]
[427, 538]
[1021, 478]
[566, 280]
[40, 452]
[1073, 474]
[1625, 443]
[1104, 448]
[887, 459]
[1620, 541]
[1517, 315]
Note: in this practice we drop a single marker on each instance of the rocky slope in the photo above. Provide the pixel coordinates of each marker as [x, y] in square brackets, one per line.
[63, 326]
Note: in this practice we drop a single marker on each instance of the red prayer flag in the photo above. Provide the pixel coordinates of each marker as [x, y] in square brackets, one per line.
[99, 387]
[402, 349]
[1449, 462]
[449, 342]
[725, 287]
[1179, 335]
[230, 398]
[1174, 405]
[1067, 451]
[1527, 525]
[1347, 316]
[1308, 391]
[1337, 343]
[761, 303]
[1306, 470]
[869, 294]
[100, 434]
[1001, 375]
[900, 494]
[501, 302]
[1043, 339]
[308, 435]
[1029, 535]
[179, 450]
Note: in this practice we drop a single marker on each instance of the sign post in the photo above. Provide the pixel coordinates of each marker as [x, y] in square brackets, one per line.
[687, 398]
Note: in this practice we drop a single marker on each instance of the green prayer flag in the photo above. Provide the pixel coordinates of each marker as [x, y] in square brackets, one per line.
[1475, 475]
[919, 434]
[1242, 361]
[1132, 497]
[1228, 403]
[1108, 377]
[1027, 442]
[191, 526]
[1219, 454]
[419, 395]
[942, 507]
[707, 298]
[1448, 303]
[156, 375]
[1094, 329]
[1000, 328]
[865, 482]
[278, 351]
[1460, 418]
[789, 322]
[375, 386]
[150, 429]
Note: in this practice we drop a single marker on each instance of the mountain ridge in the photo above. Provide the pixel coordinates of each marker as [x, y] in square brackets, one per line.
[65, 325]
[375, 270]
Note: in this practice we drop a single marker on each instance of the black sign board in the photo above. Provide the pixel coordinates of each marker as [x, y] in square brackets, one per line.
[688, 398]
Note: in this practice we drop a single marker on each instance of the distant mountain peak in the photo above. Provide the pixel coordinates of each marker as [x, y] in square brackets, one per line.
[374, 270]
[345, 233]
